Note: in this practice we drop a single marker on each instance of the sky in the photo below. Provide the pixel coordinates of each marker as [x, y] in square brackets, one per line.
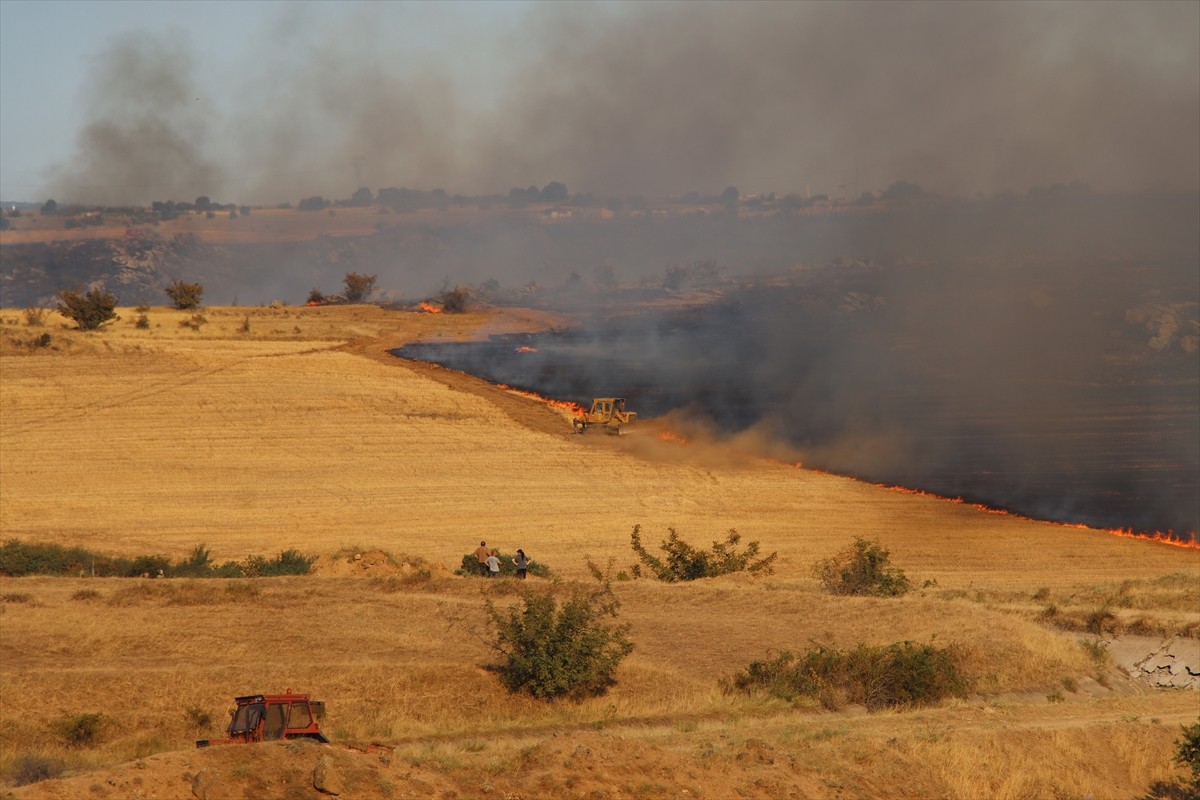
[263, 102]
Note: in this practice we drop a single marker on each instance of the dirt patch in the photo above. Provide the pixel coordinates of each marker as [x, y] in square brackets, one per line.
[376, 563]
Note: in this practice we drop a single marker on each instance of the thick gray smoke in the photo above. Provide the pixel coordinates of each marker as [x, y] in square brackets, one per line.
[651, 99]
[145, 138]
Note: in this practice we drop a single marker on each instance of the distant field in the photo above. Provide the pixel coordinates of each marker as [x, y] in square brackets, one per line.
[291, 427]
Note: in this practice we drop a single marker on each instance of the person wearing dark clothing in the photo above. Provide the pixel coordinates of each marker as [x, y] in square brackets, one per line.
[521, 562]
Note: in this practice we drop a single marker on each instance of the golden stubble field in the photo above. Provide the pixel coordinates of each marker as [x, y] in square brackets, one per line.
[275, 428]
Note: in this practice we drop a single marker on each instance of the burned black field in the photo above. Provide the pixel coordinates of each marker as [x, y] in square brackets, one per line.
[1057, 396]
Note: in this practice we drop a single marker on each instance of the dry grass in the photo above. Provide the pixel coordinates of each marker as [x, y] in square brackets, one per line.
[135, 441]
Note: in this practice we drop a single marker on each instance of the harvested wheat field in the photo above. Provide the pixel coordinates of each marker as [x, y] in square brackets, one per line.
[253, 431]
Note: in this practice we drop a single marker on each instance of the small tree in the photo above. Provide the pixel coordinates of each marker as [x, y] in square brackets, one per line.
[863, 568]
[550, 650]
[185, 296]
[454, 301]
[89, 311]
[686, 563]
[359, 287]
[1187, 752]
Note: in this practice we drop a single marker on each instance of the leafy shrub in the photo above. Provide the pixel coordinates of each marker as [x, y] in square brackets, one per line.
[455, 301]
[897, 674]
[471, 568]
[142, 322]
[18, 558]
[359, 287]
[551, 650]
[80, 730]
[1187, 752]
[289, 562]
[185, 296]
[34, 768]
[148, 566]
[198, 718]
[686, 563]
[88, 311]
[35, 315]
[863, 568]
[194, 322]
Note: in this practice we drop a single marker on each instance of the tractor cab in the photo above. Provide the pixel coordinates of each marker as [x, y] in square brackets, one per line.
[268, 717]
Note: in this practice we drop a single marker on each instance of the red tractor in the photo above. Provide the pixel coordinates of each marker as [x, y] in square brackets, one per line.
[266, 717]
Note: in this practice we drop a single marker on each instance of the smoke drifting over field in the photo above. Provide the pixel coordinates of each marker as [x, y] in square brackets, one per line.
[652, 99]
[1002, 346]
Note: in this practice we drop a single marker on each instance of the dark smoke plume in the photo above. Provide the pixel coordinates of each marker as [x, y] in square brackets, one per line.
[145, 138]
[657, 98]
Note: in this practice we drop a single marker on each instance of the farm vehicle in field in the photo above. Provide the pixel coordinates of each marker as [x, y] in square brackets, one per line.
[607, 411]
[267, 717]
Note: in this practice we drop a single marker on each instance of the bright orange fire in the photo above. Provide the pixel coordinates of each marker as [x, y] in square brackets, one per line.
[671, 436]
[574, 408]
[525, 349]
[430, 308]
[1188, 540]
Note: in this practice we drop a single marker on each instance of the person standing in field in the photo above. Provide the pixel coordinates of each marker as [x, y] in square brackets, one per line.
[493, 564]
[482, 554]
[521, 562]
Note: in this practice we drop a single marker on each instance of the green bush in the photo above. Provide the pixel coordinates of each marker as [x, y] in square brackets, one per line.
[686, 563]
[1187, 752]
[18, 558]
[863, 568]
[34, 768]
[88, 311]
[80, 730]
[897, 674]
[550, 650]
[185, 296]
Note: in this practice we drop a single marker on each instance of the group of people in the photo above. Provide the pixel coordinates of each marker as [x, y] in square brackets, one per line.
[489, 561]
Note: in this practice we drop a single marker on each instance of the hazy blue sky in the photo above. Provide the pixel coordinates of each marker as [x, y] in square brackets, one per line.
[259, 102]
[49, 49]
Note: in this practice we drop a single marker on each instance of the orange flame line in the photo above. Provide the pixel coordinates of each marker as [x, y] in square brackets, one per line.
[574, 408]
[1186, 540]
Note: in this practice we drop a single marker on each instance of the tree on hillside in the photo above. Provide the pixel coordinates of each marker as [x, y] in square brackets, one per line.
[50, 207]
[554, 192]
[359, 287]
[314, 203]
[729, 199]
[89, 311]
[185, 295]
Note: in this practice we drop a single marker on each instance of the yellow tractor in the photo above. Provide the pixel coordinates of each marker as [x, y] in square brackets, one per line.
[607, 411]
